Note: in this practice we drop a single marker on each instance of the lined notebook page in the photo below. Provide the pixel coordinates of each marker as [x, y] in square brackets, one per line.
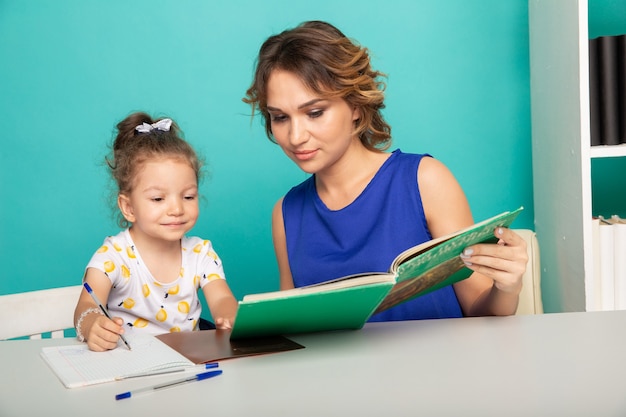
[77, 366]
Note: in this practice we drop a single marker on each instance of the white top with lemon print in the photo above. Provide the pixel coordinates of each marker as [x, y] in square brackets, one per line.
[146, 304]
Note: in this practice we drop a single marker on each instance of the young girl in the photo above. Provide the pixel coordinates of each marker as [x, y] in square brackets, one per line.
[149, 273]
[321, 102]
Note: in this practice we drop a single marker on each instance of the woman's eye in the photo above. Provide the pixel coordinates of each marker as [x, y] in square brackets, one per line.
[314, 114]
[157, 199]
[277, 118]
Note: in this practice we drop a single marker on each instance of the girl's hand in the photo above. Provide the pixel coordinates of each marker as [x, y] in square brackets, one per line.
[104, 334]
[504, 262]
[223, 323]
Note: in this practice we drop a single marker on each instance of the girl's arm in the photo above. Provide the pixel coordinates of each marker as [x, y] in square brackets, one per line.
[221, 302]
[99, 332]
[494, 287]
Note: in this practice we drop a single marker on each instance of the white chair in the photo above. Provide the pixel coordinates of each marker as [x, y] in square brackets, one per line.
[35, 312]
[530, 298]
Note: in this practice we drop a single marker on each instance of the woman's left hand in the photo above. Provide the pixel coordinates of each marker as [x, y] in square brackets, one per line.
[503, 262]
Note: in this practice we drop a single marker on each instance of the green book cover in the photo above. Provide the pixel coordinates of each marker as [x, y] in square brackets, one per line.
[348, 302]
[345, 304]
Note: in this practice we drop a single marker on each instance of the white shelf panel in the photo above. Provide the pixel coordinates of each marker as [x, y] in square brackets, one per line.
[605, 151]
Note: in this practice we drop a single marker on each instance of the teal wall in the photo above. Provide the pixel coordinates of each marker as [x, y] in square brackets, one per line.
[458, 88]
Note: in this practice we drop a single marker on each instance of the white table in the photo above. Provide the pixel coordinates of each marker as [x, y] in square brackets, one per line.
[570, 364]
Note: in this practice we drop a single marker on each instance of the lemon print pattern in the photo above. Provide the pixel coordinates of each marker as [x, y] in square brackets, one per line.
[183, 307]
[125, 271]
[140, 323]
[161, 315]
[128, 303]
[109, 266]
[213, 277]
[145, 304]
[174, 290]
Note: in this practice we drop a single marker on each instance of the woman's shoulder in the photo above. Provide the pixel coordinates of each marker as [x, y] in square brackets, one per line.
[399, 157]
[404, 162]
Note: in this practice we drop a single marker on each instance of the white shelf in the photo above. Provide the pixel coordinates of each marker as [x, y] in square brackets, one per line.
[604, 151]
[562, 155]
[559, 74]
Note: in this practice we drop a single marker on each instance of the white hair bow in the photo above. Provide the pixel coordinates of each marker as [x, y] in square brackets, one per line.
[163, 124]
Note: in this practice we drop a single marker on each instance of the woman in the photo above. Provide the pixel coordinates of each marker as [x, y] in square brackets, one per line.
[321, 102]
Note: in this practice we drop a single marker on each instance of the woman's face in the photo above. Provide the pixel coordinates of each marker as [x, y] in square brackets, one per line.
[314, 132]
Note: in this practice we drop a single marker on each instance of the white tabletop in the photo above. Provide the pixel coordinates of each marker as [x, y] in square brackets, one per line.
[570, 364]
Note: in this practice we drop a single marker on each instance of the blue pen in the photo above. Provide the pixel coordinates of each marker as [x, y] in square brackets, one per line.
[104, 310]
[170, 371]
[197, 377]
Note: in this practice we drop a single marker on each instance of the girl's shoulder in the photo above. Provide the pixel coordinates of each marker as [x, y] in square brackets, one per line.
[196, 244]
[116, 243]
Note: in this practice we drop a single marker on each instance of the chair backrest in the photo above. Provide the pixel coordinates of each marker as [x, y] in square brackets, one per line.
[530, 298]
[35, 312]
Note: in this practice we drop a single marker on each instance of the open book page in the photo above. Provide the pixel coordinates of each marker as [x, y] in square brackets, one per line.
[440, 265]
[77, 366]
[356, 280]
[478, 232]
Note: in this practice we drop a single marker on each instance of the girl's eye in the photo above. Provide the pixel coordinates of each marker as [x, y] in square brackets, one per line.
[190, 197]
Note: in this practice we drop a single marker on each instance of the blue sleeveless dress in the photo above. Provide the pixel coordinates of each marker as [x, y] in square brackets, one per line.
[365, 236]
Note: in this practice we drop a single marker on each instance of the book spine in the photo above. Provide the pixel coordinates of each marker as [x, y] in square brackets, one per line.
[619, 239]
[594, 94]
[622, 86]
[609, 97]
[607, 268]
[593, 295]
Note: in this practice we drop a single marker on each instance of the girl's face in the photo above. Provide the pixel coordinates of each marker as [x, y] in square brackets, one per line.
[314, 132]
[163, 204]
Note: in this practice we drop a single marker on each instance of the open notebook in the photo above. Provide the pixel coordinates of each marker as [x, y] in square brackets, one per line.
[77, 366]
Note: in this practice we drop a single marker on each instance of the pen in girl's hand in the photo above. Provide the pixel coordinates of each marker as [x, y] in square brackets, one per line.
[104, 310]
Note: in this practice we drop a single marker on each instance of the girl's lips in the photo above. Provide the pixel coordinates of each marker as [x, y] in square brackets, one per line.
[178, 224]
[304, 155]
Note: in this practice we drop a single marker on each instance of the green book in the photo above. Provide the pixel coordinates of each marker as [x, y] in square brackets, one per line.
[348, 302]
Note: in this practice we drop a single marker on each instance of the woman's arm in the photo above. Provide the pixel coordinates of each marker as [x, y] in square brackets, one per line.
[494, 287]
[280, 246]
